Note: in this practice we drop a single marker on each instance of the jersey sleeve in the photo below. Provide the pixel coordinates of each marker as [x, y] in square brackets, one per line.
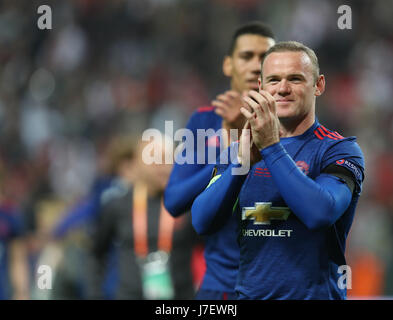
[186, 180]
[214, 206]
[319, 202]
[346, 154]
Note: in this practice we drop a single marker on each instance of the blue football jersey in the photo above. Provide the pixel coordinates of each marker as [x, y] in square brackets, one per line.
[280, 257]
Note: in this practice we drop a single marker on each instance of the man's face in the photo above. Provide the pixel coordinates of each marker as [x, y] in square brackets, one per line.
[244, 65]
[288, 77]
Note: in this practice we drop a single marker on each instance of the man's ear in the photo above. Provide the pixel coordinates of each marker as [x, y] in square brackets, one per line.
[320, 85]
[227, 66]
[260, 83]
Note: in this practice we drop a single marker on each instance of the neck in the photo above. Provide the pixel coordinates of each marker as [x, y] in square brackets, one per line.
[290, 127]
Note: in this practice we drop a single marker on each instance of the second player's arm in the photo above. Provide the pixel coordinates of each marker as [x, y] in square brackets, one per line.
[185, 183]
[214, 205]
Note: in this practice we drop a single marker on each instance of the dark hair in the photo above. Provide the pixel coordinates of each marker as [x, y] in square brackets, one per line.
[254, 27]
[294, 46]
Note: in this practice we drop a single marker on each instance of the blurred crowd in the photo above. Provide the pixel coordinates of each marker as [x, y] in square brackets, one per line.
[108, 70]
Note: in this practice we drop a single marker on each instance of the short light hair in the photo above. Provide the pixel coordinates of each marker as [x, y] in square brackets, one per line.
[294, 46]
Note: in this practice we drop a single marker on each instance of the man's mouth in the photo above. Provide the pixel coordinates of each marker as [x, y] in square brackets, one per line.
[284, 100]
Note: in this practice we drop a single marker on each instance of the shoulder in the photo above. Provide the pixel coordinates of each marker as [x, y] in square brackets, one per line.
[334, 140]
[205, 117]
[205, 109]
[326, 135]
[340, 150]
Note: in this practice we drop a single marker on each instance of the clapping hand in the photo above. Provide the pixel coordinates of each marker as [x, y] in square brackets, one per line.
[262, 115]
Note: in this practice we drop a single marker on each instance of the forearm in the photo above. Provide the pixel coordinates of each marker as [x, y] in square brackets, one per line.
[214, 205]
[318, 203]
[180, 193]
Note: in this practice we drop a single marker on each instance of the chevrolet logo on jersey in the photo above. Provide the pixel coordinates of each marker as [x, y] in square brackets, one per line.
[263, 213]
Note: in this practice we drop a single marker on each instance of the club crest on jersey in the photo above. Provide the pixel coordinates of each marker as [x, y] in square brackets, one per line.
[303, 166]
[263, 213]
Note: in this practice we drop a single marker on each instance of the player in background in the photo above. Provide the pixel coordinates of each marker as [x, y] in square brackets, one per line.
[296, 205]
[152, 249]
[242, 65]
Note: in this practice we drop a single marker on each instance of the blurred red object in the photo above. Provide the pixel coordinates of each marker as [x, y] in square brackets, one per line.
[198, 265]
[383, 191]
[367, 276]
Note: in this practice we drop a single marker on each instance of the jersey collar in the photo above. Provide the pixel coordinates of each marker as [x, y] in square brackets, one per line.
[304, 135]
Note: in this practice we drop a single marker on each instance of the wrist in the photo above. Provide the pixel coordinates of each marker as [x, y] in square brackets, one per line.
[268, 145]
[271, 149]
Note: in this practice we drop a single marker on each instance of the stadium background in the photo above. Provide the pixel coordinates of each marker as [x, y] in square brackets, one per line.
[109, 68]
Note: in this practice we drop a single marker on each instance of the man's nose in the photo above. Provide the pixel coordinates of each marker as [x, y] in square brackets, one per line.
[284, 87]
[256, 65]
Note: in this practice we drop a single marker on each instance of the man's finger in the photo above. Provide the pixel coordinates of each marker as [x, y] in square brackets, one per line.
[233, 94]
[245, 105]
[270, 99]
[219, 111]
[219, 104]
[255, 106]
[223, 98]
[260, 99]
[251, 103]
[247, 125]
[247, 114]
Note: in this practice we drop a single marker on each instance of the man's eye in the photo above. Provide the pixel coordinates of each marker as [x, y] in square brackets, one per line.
[246, 56]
